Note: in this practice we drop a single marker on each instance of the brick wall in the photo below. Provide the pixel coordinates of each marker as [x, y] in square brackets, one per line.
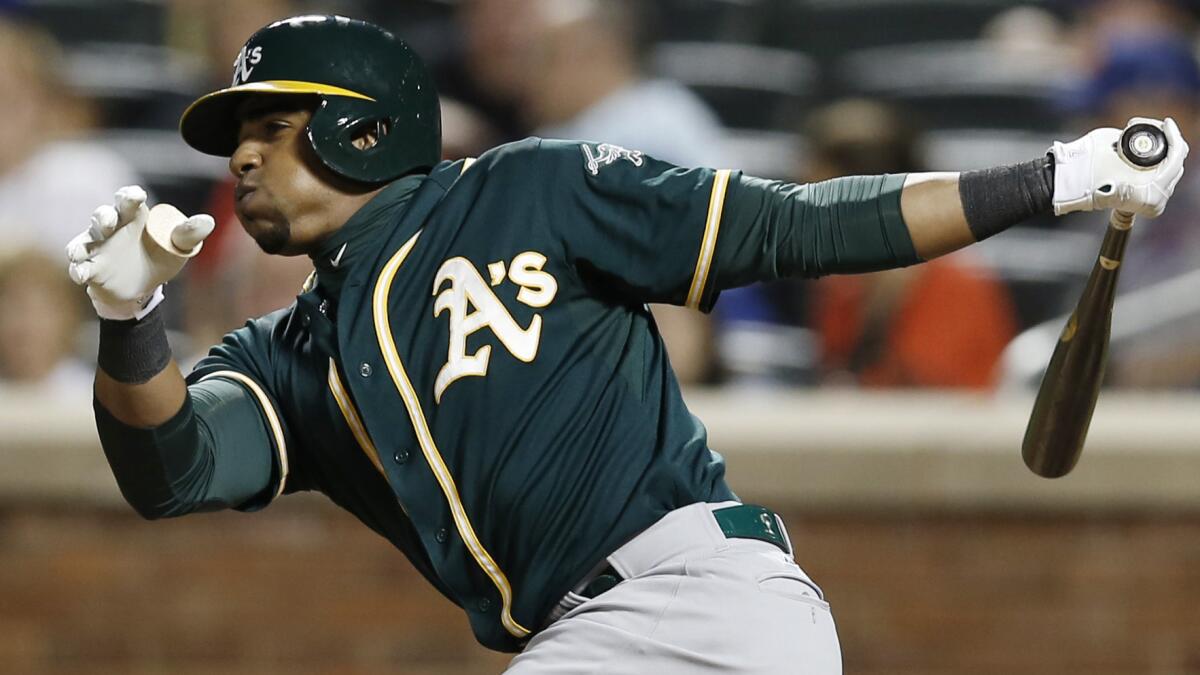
[301, 588]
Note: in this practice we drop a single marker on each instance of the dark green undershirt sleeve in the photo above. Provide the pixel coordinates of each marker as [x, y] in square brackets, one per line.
[771, 229]
[215, 453]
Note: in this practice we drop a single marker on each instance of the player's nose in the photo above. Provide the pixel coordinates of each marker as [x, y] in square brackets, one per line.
[244, 159]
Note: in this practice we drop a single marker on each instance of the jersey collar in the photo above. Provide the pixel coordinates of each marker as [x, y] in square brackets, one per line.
[352, 243]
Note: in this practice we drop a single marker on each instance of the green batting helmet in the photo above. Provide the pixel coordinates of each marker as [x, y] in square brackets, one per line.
[365, 79]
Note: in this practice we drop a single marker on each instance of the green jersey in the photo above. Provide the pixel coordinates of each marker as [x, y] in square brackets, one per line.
[474, 372]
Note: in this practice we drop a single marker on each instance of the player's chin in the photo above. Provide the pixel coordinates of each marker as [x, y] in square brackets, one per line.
[271, 234]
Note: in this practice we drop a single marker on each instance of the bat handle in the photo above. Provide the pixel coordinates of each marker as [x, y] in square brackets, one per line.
[1121, 220]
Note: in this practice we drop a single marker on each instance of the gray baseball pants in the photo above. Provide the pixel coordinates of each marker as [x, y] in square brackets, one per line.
[692, 603]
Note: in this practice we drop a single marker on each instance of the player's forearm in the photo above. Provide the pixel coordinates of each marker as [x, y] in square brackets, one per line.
[210, 453]
[137, 381]
[869, 223]
[142, 405]
[163, 455]
[947, 211]
[933, 212]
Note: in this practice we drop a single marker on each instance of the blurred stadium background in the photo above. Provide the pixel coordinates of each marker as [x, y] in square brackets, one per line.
[881, 414]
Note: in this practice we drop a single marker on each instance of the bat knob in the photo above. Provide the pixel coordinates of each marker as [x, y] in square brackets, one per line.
[1143, 145]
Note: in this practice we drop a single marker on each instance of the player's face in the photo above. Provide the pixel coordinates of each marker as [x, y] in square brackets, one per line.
[285, 198]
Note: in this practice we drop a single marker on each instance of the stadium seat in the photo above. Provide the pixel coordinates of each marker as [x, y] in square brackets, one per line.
[137, 85]
[709, 20]
[967, 84]
[77, 21]
[829, 28]
[750, 87]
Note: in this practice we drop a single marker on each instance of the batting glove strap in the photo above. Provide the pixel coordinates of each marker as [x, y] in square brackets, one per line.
[135, 310]
[1072, 183]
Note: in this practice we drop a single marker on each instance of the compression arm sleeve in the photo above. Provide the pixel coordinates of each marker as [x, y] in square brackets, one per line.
[779, 229]
[215, 453]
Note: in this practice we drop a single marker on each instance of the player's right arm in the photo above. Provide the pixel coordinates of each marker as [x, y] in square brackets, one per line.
[174, 449]
[654, 232]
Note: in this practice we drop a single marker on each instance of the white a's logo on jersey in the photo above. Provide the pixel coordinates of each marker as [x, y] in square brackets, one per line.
[244, 64]
[606, 153]
[473, 306]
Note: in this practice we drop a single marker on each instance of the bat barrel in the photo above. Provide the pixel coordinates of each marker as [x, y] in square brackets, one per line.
[1067, 397]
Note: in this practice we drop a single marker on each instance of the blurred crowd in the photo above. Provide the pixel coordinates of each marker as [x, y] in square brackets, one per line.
[798, 90]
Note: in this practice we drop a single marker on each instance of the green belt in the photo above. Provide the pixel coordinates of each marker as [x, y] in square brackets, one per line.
[747, 521]
[744, 521]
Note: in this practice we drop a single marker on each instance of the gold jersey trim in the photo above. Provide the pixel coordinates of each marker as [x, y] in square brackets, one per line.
[412, 403]
[268, 408]
[466, 165]
[708, 245]
[352, 419]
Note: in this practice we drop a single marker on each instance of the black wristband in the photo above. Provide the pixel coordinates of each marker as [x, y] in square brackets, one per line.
[132, 352]
[996, 199]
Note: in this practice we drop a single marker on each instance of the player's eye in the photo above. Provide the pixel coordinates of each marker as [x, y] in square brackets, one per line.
[275, 127]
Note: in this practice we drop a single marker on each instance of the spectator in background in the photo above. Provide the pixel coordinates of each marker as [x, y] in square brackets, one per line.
[941, 324]
[1147, 74]
[583, 80]
[38, 325]
[1099, 22]
[51, 176]
[492, 74]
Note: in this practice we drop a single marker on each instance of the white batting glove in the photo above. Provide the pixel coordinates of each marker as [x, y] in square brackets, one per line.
[130, 251]
[1090, 174]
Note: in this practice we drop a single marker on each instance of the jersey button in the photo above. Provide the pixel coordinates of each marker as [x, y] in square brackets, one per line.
[401, 456]
[364, 369]
[442, 535]
[484, 604]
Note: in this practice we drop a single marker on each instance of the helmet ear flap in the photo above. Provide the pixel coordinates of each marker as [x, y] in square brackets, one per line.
[361, 141]
[345, 136]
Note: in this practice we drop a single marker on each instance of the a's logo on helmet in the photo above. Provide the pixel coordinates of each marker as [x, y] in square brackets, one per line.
[244, 64]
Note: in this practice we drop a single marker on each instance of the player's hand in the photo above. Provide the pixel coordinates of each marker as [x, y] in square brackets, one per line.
[124, 260]
[1090, 174]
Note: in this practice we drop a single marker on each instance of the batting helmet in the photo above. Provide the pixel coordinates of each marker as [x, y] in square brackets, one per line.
[365, 78]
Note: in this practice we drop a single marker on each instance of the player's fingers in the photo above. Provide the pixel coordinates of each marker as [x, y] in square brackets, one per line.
[104, 222]
[188, 234]
[1171, 129]
[78, 249]
[81, 272]
[128, 201]
[1175, 141]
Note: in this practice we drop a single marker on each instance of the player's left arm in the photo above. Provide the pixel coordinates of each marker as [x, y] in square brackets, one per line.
[653, 232]
[861, 223]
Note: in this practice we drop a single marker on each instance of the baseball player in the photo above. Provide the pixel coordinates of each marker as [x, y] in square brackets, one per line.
[472, 370]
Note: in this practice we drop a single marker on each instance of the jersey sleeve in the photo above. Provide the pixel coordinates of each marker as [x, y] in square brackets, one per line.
[634, 225]
[236, 404]
[651, 231]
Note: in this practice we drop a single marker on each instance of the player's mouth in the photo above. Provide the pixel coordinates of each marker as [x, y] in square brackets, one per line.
[242, 191]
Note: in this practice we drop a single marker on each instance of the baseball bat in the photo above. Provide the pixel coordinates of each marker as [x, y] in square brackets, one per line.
[1066, 399]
